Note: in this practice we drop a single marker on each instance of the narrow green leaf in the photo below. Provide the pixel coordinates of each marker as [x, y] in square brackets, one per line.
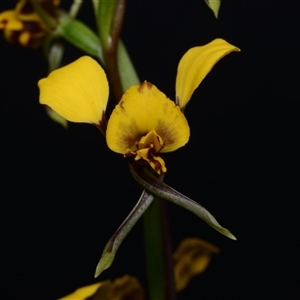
[115, 241]
[126, 70]
[159, 188]
[109, 20]
[79, 35]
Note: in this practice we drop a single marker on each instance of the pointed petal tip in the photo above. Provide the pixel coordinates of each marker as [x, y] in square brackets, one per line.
[223, 231]
[232, 237]
[195, 64]
[104, 263]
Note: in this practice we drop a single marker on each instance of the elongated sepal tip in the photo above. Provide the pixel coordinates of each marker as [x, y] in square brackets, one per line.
[230, 235]
[214, 5]
[223, 231]
[104, 263]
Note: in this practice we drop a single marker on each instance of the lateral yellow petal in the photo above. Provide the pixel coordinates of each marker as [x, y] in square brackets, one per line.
[144, 108]
[195, 64]
[78, 91]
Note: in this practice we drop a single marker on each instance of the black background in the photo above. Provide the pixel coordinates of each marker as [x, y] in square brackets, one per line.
[63, 192]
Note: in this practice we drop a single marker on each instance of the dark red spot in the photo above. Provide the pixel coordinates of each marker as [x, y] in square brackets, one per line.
[3, 24]
[144, 85]
[121, 103]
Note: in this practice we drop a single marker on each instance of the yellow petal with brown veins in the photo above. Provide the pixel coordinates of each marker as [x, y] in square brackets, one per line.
[144, 108]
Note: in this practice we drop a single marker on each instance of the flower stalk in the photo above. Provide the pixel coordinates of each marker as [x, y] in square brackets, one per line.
[110, 16]
[158, 252]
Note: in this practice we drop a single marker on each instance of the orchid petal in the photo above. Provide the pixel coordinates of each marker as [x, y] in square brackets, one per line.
[195, 64]
[78, 92]
[144, 108]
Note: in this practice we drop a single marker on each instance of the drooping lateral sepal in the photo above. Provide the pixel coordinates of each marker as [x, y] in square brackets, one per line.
[159, 188]
[117, 238]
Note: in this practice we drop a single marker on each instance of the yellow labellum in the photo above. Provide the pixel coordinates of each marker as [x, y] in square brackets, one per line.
[146, 148]
[144, 108]
[195, 64]
[78, 91]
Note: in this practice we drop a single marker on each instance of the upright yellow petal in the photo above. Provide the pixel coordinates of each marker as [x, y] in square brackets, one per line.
[78, 91]
[144, 108]
[195, 64]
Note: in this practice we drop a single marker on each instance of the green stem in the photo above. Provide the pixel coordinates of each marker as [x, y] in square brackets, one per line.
[74, 9]
[158, 252]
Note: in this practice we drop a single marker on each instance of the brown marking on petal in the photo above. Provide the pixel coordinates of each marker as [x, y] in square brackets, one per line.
[3, 24]
[157, 166]
[121, 103]
[144, 85]
[164, 132]
[144, 150]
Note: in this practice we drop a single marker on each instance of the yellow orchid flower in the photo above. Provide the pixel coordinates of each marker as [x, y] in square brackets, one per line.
[145, 122]
[24, 26]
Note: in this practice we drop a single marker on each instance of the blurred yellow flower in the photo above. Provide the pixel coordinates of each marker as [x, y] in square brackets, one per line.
[191, 258]
[123, 288]
[24, 26]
